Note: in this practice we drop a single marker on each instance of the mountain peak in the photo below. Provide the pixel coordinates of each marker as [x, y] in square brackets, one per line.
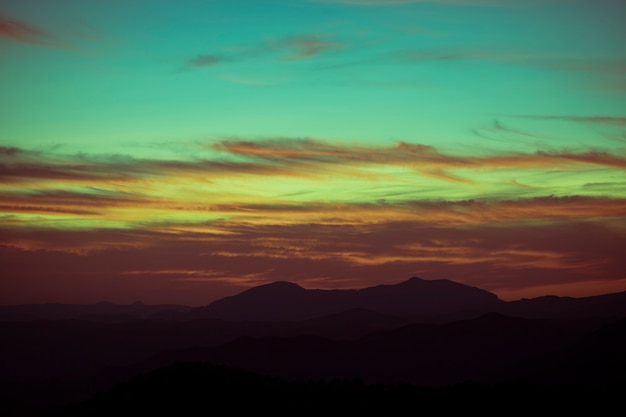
[283, 300]
[415, 279]
[282, 284]
[277, 287]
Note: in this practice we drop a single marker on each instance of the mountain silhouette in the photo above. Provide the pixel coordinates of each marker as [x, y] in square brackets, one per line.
[431, 333]
[426, 299]
[414, 299]
[606, 305]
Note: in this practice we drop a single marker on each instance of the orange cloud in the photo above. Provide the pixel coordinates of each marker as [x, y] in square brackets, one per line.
[416, 156]
[296, 158]
[513, 257]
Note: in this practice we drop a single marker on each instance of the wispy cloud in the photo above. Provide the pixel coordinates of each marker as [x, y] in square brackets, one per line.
[478, 55]
[9, 150]
[422, 158]
[18, 31]
[294, 48]
[405, 2]
[27, 33]
[201, 61]
[87, 201]
[450, 55]
[516, 256]
[501, 132]
[310, 159]
[19, 165]
[605, 120]
[608, 68]
[289, 182]
[308, 46]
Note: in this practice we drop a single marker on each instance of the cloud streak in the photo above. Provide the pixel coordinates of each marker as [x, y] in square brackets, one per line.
[422, 158]
[307, 47]
[26, 33]
[603, 120]
[310, 159]
[615, 68]
[293, 48]
[202, 61]
[18, 31]
[372, 3]
[513, 257]
[243, 212]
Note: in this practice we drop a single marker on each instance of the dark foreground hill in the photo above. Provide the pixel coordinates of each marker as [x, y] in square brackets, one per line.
[599, 358]
[206, 389]
[492, 349]
[424, 354]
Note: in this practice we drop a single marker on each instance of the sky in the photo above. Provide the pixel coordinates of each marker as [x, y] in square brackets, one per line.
[180, 152]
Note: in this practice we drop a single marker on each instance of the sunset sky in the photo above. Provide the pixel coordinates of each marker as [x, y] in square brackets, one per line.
[182, 151]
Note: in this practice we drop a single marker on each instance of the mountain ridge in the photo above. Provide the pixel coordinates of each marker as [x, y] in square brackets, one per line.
[282, 300]
[81, 355]
[422, 353]
[416, 299]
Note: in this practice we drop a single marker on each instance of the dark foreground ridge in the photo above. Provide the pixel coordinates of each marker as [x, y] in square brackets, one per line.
[419, 338]
[204, 388]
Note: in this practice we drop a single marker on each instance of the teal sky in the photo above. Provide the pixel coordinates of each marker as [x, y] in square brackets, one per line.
[245, 121]
[140, 73]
